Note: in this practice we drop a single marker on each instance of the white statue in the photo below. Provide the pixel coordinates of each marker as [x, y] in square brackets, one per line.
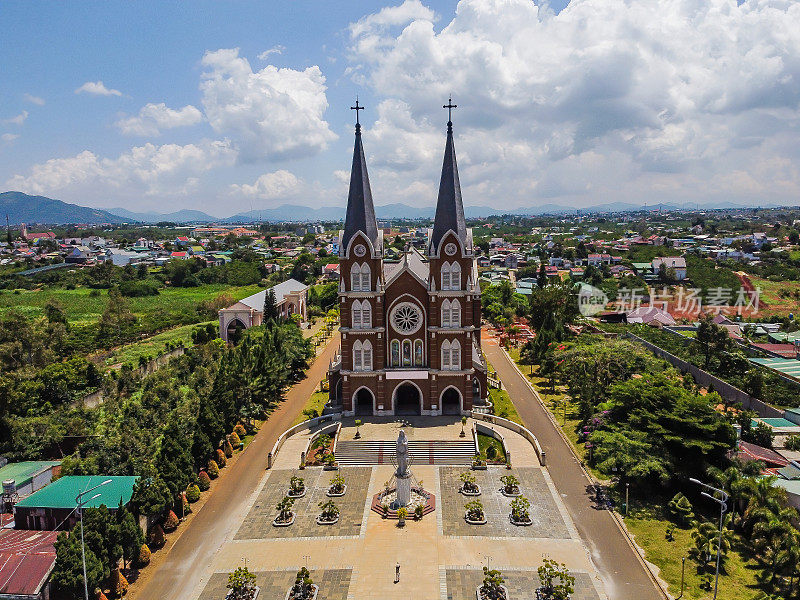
[402, 454]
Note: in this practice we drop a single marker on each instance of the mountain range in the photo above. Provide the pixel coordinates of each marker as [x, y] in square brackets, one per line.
[22, 208]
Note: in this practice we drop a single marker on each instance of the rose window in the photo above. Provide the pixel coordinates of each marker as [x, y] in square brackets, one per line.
[406, 318]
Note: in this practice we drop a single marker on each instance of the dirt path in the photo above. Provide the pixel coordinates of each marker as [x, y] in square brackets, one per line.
[192, 553]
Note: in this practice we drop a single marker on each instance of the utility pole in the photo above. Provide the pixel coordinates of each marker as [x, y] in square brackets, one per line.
[80, 502]
[722, 500]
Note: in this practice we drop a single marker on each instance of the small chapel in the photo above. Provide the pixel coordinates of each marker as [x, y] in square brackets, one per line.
[410, 328]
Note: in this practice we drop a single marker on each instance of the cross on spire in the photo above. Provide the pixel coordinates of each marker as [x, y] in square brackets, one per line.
[450, 106]
[357, 108]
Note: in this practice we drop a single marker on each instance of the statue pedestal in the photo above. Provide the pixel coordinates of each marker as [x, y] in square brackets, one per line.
[403, 490]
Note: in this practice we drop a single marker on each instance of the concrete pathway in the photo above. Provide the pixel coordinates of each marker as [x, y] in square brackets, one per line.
[623, 572]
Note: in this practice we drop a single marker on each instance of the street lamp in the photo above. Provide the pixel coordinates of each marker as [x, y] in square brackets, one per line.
[723, 507]
[80, 503]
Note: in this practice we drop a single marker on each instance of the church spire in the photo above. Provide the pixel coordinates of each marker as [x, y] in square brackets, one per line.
[449, 208]
[360, 210]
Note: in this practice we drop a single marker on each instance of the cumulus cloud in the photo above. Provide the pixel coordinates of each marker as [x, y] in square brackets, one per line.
[97, 88]
[270, 114]
[609, 99]
[280, 184]
[19, 119]
[148, 169]
[34, 99]
[154, 118]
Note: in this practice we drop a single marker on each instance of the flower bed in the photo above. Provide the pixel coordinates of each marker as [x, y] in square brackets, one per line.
[381, 503]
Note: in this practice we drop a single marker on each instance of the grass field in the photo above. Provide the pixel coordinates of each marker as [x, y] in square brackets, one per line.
[153, 346]
[315, 402]
[771, 291]
[484, 441]
[82, 308]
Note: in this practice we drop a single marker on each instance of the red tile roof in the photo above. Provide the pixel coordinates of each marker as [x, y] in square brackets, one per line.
[748, 451]
[26, 559]
[785, 350]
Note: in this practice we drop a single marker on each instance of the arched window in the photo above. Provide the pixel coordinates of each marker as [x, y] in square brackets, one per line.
[366, 314]
[455, 313]
[446, 276]
[395, 353]
[367, 349]
[455, 276]
[446, 313]
[445, 355]
[406, 353]
[357, 315]
[362, 356]
[419, 358]
[455, 356]
[366, 284]
[355, 278]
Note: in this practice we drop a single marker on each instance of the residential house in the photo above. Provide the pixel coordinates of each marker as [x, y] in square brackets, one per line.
[291, 297]
[676, 263]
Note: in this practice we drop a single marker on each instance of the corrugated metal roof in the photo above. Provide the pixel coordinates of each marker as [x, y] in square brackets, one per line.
[23, 472]
[62, 492]
[26, 559]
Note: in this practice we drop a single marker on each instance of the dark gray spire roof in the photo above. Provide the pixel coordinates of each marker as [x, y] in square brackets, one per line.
[449, 208]
[360, 210]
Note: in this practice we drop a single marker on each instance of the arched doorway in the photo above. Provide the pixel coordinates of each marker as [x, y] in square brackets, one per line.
[235, 330]
[451, 402]
[363, 402]
[407, 400]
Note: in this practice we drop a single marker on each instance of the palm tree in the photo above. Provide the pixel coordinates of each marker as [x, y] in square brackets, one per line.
[706, 537]
[764, 499]
[775, 540]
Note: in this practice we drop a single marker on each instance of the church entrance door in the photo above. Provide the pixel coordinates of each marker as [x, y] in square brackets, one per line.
[363, 402]
[451, 402]
[407, 400]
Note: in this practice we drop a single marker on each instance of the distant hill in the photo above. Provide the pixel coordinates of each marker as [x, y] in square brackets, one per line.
[22, 208]
[179, 216]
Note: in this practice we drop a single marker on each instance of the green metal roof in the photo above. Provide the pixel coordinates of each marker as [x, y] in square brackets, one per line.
[62, 492]
[787, 366]
[23, 472]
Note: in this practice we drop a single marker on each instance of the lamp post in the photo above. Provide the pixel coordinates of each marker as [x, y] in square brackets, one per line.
[722, 500]
[79, 501]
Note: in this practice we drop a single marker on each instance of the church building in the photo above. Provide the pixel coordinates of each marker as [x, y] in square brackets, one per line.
[410, 329]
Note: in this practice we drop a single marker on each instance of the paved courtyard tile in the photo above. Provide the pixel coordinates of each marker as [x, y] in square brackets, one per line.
[258, 522]
[521, 585]
[547, 519]
[333, 584]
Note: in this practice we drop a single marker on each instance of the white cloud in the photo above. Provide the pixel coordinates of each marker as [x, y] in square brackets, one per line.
[9, 137]
[34, 99]
[280, 184]
[607, 100]
[18, 120]
[148, 169]
[154, 118]
[97, 88]
[277, 49]
[270, 114]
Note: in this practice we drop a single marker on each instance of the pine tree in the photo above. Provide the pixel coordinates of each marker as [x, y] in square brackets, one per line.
[67, 573]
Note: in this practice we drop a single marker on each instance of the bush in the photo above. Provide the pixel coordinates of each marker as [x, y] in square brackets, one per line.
[227, 449]
[203, 481]
[793, 442]
[136, 289]
[171, 522]
[221, 459]
[213, 469]
[118, 583]
[155, 538]
[681, 509]
[233, 440]
[193, 493]
[144, 555]
[240, 430]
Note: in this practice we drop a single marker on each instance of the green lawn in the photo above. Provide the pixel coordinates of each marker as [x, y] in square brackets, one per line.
[315, 402]
[153, 346]
[484, 441]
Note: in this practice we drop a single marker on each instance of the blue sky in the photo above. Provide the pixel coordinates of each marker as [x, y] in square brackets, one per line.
[672, 100]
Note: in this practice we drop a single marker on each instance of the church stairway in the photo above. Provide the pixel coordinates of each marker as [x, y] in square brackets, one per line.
[352, 453]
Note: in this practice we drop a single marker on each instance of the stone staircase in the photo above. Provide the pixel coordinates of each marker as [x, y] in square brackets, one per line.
[352, 453]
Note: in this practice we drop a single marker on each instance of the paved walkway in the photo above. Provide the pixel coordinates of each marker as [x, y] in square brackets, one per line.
[623, 573]
[221, 515]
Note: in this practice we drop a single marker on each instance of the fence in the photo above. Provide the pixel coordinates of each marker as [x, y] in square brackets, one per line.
[514, 427]
[726, 390]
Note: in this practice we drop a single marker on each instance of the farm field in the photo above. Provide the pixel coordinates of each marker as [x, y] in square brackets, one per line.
[781, 297]
[152, 346]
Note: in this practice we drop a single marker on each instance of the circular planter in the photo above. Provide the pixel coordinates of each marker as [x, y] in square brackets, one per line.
[479, 467]
[336, 495]
[333, 467]
[520, 523]
[277, 523]
[516, 494]
[300, 495]
[471, 522]
[315, 592]
[466, 493]
[253, 597]
[479, 597]
[321, 521]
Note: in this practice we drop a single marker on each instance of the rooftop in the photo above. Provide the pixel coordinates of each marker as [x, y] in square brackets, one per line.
[26, 559]
[23, 472]
[62, 492]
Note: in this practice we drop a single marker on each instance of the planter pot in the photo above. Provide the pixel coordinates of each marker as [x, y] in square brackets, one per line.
[254, 596]
[335, 494]
[357, 436]
[466, 493]
[401, 523]
[321, 521]
[277, 523]
[516, 494]
[473, 522]
[315, 592]
[300, 495]
[333, 467]
[479, 597]
[479, 467]
[520, 523]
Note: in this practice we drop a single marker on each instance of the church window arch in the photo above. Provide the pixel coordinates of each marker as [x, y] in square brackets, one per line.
[446, 313]
[366, 314]
[455, 313]
[455, 276]
[445, 355]
[395, 353]
[406, 353]
[419, 357]
[356, 314]
[366, 283]
[446, 276]
[355, 277]
[362, 355]
[455, 355]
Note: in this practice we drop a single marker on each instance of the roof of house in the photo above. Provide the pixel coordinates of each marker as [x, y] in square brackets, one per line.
[676, 262]
[62, 492]
[785, 350]
[753, 452]
[23, 472]
[256, 301]
[647, 314]
[26, 560]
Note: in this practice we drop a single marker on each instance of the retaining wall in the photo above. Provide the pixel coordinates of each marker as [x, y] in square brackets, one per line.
[524, 432]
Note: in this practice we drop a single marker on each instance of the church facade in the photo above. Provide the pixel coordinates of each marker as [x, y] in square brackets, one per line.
[410, 329]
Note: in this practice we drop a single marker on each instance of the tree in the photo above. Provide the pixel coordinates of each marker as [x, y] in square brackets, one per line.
[174, 460]
[117, 318]
[706, 540]
[54, 312]
[681, 509]
[712, 338]
[492, 586]
[549, 572]
[776, 540]
[151, 496]
[130, 537]
[68, 570]
[102, 537]
[242, 584]
[541, 278]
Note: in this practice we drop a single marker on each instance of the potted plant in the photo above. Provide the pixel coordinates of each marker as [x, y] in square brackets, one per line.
[285, 515]
[329, 514]
[242, 585]
[492, 587]
[463, 422]
[469, 487]
[304, 588]
[419, 512]
[520, 514]
[357, 436]
[548, 573]
[474, 514]
[510, 486]
[337, 487]
[478, 463]
[330, 462]
[402, 515]
[297, 487]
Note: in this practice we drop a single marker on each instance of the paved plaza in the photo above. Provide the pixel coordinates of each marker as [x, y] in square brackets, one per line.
[440, 556]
